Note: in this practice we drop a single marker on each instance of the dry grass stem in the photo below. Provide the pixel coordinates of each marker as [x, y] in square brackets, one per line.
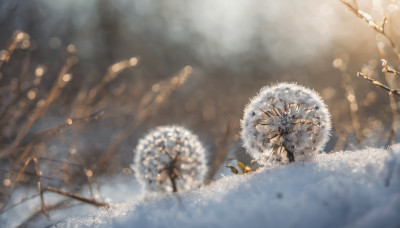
[393, 105]
[76, 196]
[19, 203]
[388, 69]
[222, 148]
[43, 105]
[148, 105]
[351, 98]
[339, 145]
[394, 108]
[65, 165]
[27, 222]
[379, 28]
[18, 38]
[86, 96]
[48, 134]
[39, 186]
[379, 84]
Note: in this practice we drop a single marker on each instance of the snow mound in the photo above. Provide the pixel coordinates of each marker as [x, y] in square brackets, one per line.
[342, 189]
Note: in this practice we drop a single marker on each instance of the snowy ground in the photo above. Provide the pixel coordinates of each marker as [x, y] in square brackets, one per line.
[343, 189]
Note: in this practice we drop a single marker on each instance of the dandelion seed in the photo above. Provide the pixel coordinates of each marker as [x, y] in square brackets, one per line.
[170, 159]
[284, 123]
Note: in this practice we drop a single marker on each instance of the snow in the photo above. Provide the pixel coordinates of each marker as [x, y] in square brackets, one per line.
[342, 189]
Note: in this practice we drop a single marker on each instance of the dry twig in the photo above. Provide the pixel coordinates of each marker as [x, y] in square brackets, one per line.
[43, 105]
[76, 196]
[222, 148]
[379, 84]
[388, 69]
[39, 185]
[368, 18]
[148, 105]
[17, 38]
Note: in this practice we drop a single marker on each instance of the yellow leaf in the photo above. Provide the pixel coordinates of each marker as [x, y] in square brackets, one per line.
[233, 169]
[241, 166]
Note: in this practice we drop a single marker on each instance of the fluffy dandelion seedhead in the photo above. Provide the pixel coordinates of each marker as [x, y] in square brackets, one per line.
[285, 122]
[170, 159]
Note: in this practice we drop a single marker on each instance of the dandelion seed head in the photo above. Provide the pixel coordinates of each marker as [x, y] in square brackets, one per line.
[170, 158]
[285, 122]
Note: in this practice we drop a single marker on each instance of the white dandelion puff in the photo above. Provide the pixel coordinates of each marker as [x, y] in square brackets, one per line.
[170, 159]
[284, 123]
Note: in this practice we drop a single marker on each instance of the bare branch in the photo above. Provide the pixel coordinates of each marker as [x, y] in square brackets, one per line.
[368, 18]
[388, 69]
[39, 185]
[76, 196]
[379, 84]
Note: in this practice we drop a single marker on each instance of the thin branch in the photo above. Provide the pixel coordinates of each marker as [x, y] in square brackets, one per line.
[353, 106]
[76, 196]
[368, 18]
[19, 203]
[28, 221]
[149, 104]
[388, 69]
[80, 168]
[43, 106]
[28, 173]
[86, 97]
[222, 148]
[16, 39]
[40, 187]
[393, 104]
[379, 84]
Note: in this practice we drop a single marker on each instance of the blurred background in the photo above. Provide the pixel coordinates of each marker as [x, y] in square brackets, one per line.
[86, 79]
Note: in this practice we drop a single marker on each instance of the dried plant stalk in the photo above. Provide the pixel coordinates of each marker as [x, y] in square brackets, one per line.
[394, 108]
[379, 84]
[48, 134]
[17, 38]
[39, 186]
[388, 69]
[87, 96]
[149, 104]
[27, 222]
[341, 140]
[374, 25]
[222, 148]
[368, 18]
[80, 167]
[76, 196]
[42, 106]
[351, 98]
[393, 105]
[19, 203]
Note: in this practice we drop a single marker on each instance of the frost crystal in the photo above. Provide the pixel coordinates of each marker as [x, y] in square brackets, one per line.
[284, 123]
[170, 159]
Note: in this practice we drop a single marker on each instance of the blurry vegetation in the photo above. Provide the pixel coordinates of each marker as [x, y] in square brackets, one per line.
[78, 91]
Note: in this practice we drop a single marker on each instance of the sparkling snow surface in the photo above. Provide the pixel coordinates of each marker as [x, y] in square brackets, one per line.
[343, 189]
